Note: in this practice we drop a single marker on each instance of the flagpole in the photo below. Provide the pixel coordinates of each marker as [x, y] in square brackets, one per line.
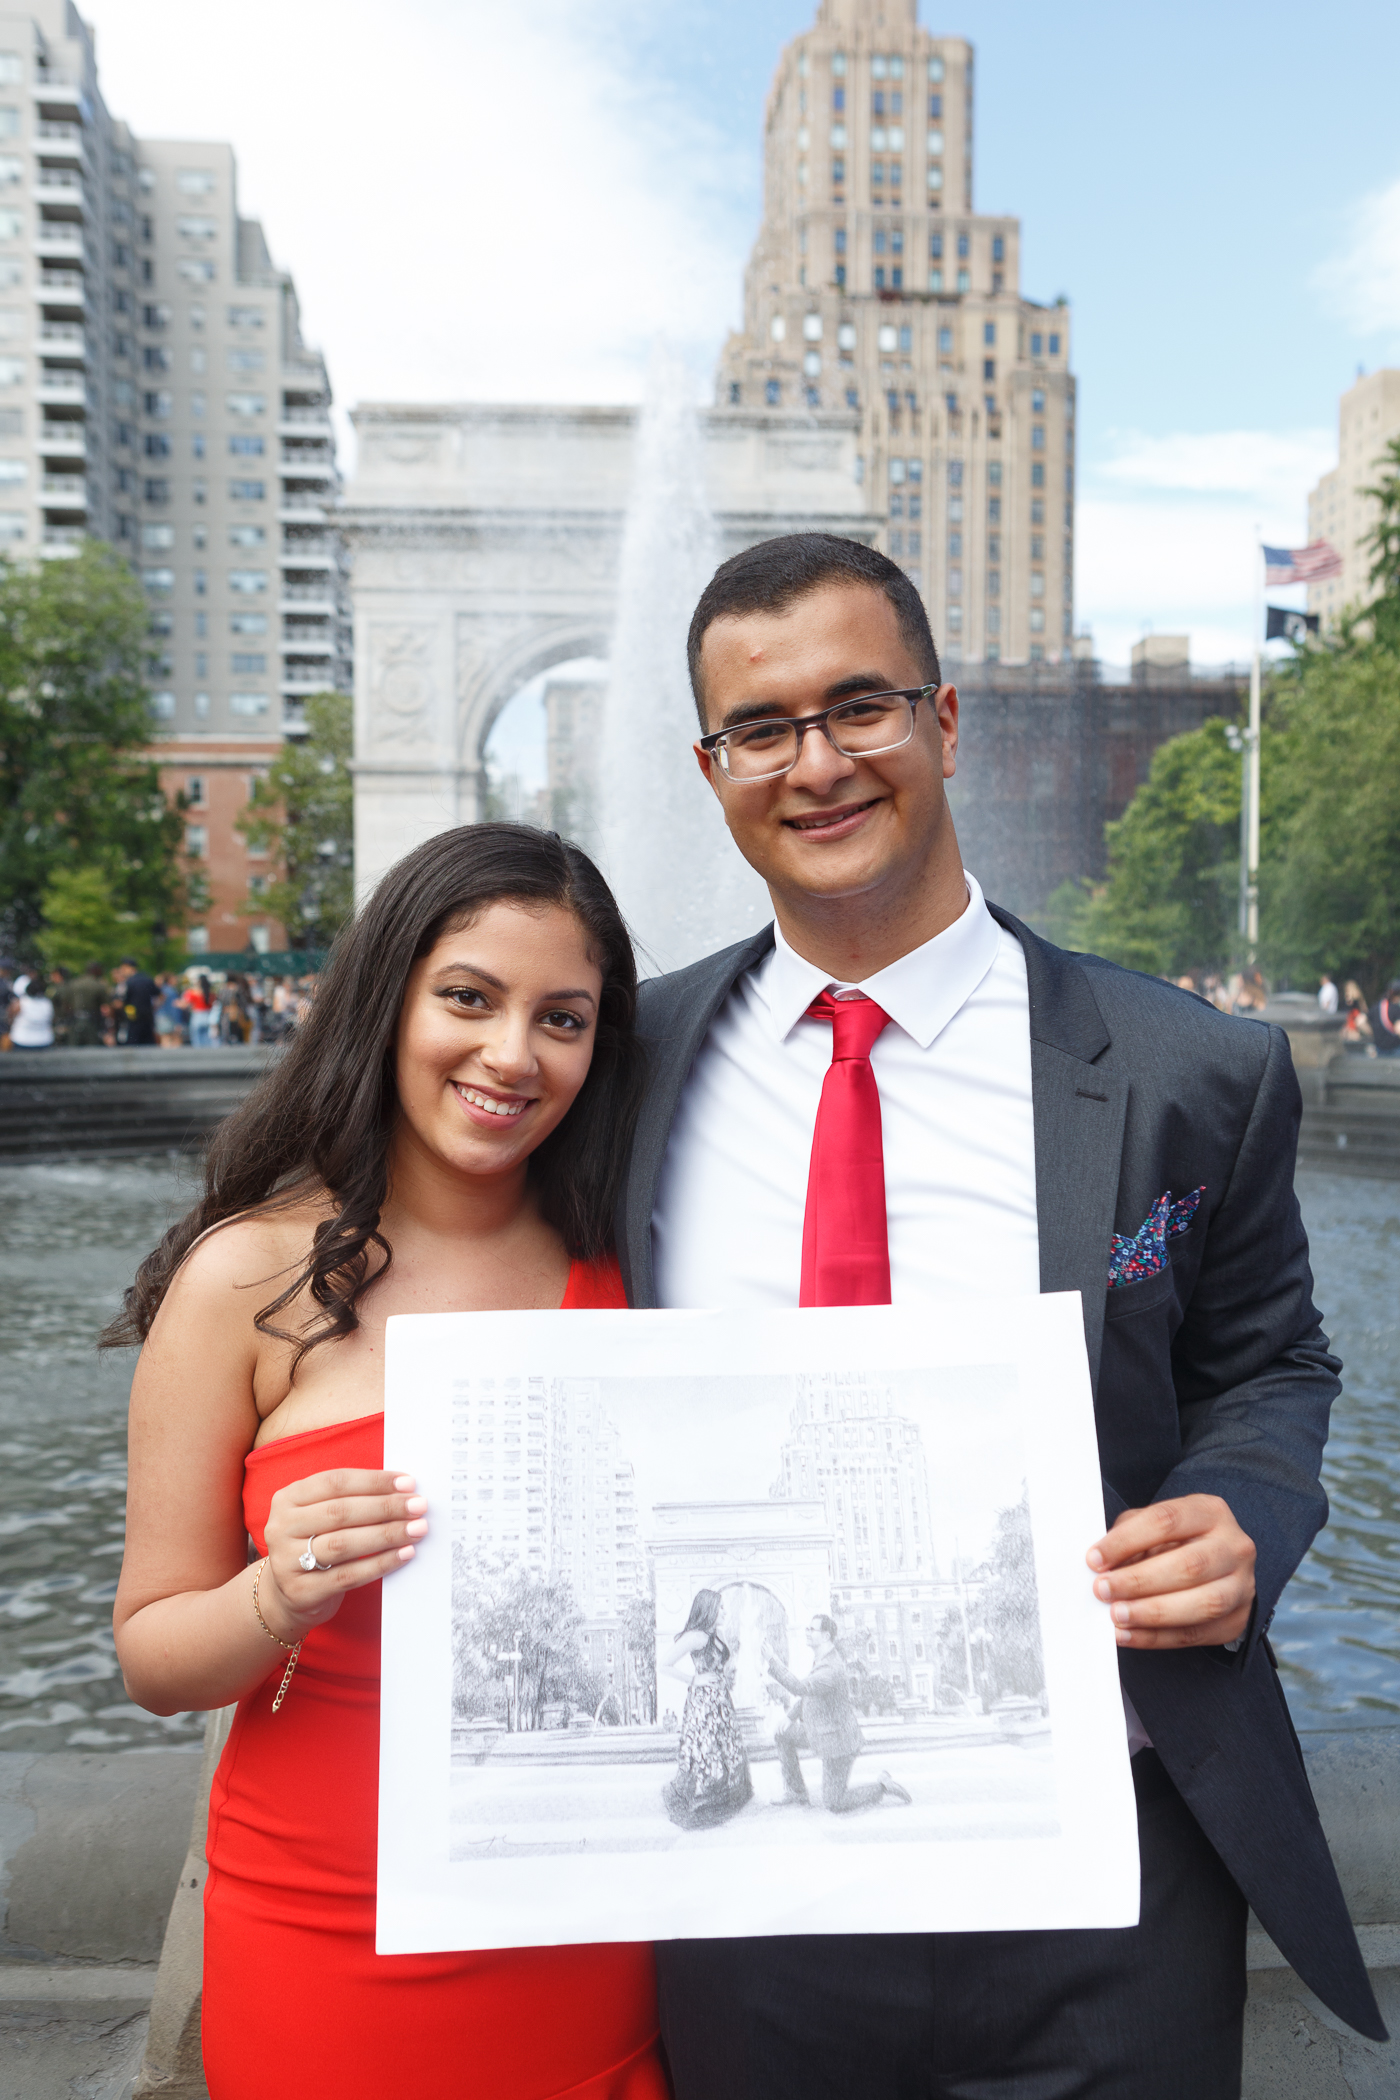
[1250, 814]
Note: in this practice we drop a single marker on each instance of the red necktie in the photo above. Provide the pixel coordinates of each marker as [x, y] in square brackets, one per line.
[845, 1234]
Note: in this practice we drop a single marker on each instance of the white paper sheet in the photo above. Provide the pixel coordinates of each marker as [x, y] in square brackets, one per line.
[925, 1475]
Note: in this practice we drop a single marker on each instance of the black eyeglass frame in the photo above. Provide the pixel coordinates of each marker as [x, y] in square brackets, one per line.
[718, 738]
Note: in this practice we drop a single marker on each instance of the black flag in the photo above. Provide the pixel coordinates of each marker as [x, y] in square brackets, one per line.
[1285, 626]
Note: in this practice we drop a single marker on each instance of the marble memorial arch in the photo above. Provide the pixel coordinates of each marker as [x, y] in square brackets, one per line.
[484, 546]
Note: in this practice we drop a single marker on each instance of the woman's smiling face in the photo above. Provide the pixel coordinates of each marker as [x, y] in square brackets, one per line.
[496, 1036]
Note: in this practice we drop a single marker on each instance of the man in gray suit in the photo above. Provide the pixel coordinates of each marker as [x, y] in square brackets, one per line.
[824, 1719]
[1049, 1122]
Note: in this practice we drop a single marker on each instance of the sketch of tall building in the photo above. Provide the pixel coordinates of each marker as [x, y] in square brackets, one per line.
[501, 1468]
[540, 1477]
[594, 1540]
[851, 1449]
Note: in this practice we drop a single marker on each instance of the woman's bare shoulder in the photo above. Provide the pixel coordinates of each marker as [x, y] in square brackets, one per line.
[268, 1246]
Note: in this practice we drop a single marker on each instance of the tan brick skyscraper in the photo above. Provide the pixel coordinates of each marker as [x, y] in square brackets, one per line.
[873, 286]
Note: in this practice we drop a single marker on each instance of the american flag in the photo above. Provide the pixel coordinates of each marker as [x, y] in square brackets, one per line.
[1313, 564]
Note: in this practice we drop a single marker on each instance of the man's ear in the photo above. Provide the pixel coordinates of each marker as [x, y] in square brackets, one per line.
[706, 762]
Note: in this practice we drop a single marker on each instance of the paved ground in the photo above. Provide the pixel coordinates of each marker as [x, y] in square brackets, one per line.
[1003, 1790]
[71, 2034]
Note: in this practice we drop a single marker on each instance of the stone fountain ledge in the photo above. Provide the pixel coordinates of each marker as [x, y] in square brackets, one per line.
[102, 1876]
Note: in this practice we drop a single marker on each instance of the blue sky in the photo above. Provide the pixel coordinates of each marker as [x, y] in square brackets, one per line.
[510, 203]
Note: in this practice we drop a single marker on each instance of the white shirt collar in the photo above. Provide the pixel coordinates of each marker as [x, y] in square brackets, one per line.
[920, 992]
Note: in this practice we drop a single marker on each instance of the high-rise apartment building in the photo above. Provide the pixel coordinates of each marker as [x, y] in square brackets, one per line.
[875, 287]
[850, 1448]
[1339, 510]
[155, 392]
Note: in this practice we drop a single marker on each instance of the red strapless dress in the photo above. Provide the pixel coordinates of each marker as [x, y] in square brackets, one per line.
[295, 1998]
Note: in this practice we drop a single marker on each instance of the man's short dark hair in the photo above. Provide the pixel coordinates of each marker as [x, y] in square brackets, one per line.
[819, 1618]
[773, 575]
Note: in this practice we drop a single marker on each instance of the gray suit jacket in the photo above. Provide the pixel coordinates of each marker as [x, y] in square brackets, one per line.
[1211, 1377]
[828, 1711]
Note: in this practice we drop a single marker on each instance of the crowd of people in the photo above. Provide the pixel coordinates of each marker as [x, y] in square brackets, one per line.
[128, 1008]
[1372, 1029]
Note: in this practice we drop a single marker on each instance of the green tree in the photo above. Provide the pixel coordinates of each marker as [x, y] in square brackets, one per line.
[1330, 891]
[639, 1634]
[1011, 1607]
[77, 788]
[1383, 540]
[302, 814]
[83, 923]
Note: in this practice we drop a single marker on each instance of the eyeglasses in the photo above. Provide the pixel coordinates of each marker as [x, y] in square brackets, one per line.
[859, 728]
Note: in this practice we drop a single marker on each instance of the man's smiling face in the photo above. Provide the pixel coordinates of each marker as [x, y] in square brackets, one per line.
[834, 827]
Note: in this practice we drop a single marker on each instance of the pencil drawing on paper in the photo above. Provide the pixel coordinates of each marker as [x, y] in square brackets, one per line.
[743, 1608]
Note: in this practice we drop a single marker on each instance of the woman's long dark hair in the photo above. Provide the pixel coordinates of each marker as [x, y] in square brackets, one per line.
[324, 1113]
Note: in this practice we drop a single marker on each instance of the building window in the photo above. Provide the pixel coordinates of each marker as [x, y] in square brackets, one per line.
[247, 491]
[879, 277]
[734, 393]
[1054, 346]
[1037, 583]
[838, 173]
[1038, 475]
[906, 340]
[1037, 437]
[246, 666]
[989, 369]
[246, 623]
[998, 248]
[772, 392]
[896, 279]
[852, 398]
[935, 246]
[881, 240]
[841, 276]
[964, 281]
[915, 545]
[877, 172]
[196, 841]
[245, 404]
[1036, 342]
[194, 790]
[1037, 546]
[838, 101]
[157, 491]
[993, 583]
[840, 240]
[1037, 401]
[1037, 619]
[955, 473]
[935, 280]
[246, 447]
[896, 175]
[247, 581]
[247, 703]
[247, 535]
[814, 397]
[994, 473]
[897, 543]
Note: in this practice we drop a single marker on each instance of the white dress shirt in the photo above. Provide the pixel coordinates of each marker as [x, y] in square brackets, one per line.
[954, 1073]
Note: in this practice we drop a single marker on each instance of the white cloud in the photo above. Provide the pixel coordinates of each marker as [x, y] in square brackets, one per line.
[1166, 533]
[476, 203]
[1363, 278]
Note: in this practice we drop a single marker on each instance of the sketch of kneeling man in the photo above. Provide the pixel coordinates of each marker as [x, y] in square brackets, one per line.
[823, 1719]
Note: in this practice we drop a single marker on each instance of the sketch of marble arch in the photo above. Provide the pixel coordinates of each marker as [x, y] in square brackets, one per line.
[782, 1547]
[484, 546]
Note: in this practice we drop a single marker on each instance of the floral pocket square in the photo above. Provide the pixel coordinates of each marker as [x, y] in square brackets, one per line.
[1129, 1260]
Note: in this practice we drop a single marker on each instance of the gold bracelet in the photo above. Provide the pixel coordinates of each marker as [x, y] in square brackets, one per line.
[294, 1647]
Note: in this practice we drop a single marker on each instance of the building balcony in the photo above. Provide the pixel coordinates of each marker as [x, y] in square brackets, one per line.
[306, 598]
[303, 685]
[304, 646]
[63, 440]
[58, 390]
[307, 512]
[56, 135]
[62, 98]
[63, 289]
[308, 554]
[64, 492]
[303, 422]
[63, 339]
[61, 540]
[60, 237]
[61, 187]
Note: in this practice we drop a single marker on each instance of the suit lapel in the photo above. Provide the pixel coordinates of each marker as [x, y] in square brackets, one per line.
[673, 1031]
[1079, 1107]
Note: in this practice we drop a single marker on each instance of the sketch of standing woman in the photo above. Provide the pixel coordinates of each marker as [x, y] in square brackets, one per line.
[712, 1779]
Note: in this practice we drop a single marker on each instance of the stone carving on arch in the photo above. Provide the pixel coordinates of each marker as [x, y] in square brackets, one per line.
[403, 684]
[495, 658]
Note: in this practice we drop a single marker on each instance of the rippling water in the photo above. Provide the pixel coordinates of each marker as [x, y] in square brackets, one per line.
[70, 1236]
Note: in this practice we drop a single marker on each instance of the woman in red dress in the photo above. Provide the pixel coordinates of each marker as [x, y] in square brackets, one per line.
[444, 1134]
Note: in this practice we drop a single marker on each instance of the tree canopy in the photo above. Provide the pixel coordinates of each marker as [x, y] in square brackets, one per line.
[1329, 859]
[303, 815]
[78, 790]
